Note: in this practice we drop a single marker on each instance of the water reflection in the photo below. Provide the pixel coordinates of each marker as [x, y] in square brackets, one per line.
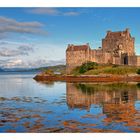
[47, 83]
[30, 106]
[117, 100]
[84, 95]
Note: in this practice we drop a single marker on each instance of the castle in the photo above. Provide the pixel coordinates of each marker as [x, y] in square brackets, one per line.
[117, 48]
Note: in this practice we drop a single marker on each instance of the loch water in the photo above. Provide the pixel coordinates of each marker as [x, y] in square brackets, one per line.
[49, 107]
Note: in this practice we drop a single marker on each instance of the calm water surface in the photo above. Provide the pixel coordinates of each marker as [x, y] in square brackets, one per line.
[30, 106]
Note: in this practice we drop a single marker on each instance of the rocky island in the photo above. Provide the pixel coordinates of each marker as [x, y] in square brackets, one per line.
[93, 72]
[114, 61]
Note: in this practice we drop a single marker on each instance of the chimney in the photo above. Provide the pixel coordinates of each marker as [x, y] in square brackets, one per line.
[127, 30]
[72, 47]
[108, 32]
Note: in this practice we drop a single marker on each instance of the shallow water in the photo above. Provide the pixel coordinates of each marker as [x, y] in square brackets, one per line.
[30, 106]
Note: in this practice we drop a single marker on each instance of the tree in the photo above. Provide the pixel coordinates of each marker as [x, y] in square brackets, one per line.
[138, 71]
[87, 66]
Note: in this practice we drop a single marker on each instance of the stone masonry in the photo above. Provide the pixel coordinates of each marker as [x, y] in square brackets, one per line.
[117, 48]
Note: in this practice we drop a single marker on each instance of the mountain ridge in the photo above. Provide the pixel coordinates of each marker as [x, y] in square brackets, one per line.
[54, 68]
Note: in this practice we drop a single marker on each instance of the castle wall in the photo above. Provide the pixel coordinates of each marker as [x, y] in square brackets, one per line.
[107, 58]
[97, 56]
[132, 60]
[100, 57]
[116, 60]
[138, 61]
[76, 58]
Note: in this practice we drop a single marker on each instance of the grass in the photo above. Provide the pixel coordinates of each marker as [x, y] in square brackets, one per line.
[75, 72]
[109, 69]
[122, 70]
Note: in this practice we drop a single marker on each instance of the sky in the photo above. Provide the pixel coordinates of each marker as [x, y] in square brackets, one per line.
[38, 37]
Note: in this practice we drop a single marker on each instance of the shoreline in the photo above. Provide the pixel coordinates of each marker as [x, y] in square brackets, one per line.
[85, 78]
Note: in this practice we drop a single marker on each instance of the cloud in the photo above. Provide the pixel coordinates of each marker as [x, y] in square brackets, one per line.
[19, 63]
[5, 42]
[10, 63]
[21, 50]
[71, 14]
[49, 11]
[56, 62]
[53, 12]
[43, 63]
[13, 63]
[25, 48]
[9, 21]
[8, 25]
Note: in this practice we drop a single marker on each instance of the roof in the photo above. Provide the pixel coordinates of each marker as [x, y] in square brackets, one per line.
[77, 47]
[118, 34]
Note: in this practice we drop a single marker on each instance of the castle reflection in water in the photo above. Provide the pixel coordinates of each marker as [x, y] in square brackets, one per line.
[115, 98]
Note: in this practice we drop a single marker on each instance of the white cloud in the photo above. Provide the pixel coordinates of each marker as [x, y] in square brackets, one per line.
[9, 25]
[21, 49]
[49, 11]
[56, 62]
[19, 63]
[10, 21]
[11, 63]
[53, 12]
[71, 13]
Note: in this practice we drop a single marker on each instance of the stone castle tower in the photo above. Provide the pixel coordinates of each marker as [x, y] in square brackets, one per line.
[117, 48]
[119, 42]
[77, 55]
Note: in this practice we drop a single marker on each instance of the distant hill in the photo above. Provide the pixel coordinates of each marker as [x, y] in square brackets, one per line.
[19, 70]
[57, 68]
